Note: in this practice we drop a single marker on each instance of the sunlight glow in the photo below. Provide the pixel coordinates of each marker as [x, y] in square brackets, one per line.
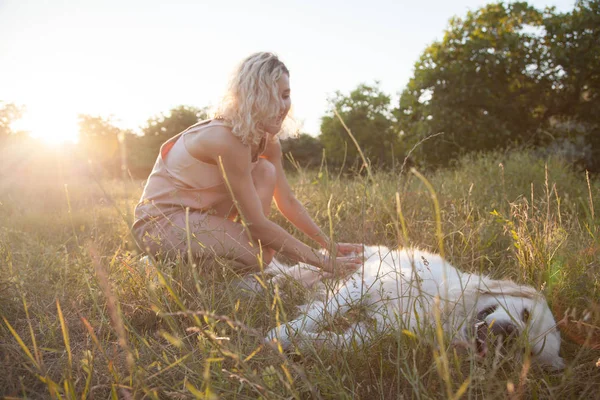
[50, 126]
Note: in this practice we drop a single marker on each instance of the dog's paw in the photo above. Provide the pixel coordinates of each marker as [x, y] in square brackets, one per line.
[280, 335]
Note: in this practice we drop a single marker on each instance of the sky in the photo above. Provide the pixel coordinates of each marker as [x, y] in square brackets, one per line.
[129, 60]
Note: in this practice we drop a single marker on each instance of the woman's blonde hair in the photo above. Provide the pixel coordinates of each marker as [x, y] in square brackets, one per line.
[252, 96]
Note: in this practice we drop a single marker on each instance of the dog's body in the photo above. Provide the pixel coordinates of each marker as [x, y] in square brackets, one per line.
[414, 290]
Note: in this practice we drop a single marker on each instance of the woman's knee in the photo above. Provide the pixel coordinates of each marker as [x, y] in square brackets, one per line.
[264, 174]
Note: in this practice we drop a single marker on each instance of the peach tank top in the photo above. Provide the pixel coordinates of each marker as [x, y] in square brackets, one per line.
[178, 180]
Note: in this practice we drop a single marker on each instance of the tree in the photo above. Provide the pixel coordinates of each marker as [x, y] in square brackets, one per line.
[143, 150]
[367, 113]
[503, 75]
[102, 144]
[573, 40]
[166, 125]
[305, 150]
[483, 85]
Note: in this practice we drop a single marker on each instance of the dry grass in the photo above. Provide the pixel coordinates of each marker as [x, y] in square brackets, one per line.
[84, 318]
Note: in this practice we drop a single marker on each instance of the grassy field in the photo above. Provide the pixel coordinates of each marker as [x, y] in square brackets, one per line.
[83, 318]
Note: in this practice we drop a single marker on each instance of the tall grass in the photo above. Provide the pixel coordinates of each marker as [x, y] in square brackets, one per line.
[84, 318]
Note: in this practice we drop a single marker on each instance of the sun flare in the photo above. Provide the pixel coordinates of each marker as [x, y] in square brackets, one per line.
[51, 127]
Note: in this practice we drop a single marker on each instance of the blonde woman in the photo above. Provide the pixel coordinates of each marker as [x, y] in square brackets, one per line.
[227, 170]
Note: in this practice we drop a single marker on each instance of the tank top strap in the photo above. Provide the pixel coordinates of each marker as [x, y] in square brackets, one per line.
[205, 122]
[197, 124]
[219, 121]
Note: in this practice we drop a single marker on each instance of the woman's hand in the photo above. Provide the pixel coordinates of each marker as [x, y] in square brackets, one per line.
[349, 249]
[340, 267]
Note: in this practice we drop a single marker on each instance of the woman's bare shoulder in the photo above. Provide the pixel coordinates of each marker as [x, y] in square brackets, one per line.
[214, 140]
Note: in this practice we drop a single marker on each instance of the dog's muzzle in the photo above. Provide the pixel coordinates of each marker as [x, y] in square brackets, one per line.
[496, 334]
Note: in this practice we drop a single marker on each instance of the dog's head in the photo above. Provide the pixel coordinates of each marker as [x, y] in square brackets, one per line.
[514, 315]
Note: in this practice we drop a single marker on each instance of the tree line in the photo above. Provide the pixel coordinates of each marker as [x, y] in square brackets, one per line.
[503, 76]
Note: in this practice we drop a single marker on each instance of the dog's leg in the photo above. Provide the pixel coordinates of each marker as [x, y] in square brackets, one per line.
[364, 332]
[305, 328]
[287, 332]
[309, 322]
[359, 334]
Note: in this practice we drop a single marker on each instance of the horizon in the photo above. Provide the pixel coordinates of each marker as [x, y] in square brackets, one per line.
[130, 62]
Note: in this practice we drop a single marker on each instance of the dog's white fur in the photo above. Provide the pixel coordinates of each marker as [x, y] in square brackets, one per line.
[406, 289]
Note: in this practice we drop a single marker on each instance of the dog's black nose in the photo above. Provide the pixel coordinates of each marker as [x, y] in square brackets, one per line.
[505, 329]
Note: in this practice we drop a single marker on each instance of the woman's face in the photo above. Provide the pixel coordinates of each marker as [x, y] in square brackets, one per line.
[285, 102]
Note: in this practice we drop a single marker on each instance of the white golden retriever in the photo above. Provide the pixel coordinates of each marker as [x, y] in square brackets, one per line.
[406, 289]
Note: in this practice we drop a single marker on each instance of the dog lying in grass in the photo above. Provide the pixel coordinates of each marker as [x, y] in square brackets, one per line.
[415, 291]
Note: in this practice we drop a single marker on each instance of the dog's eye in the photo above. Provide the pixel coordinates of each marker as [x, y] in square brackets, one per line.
[525, 315]
[484, 313]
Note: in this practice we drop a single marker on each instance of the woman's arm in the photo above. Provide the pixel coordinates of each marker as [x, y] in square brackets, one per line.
[235, 161]
[294, 211]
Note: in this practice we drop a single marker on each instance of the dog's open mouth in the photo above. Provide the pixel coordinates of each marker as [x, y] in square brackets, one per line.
[487, 337]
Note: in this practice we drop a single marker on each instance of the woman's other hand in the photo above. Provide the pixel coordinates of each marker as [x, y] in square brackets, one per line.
[340, 267]
[350, 249]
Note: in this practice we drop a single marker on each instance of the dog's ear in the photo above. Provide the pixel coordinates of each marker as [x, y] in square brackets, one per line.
[506, 288]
